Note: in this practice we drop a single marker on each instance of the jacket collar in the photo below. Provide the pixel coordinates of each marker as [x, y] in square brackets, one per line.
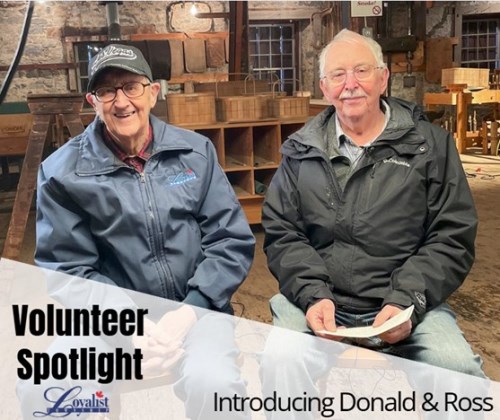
[313, 139]
[95, 158]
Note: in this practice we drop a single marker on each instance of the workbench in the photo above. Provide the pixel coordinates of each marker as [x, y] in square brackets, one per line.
[461, 99]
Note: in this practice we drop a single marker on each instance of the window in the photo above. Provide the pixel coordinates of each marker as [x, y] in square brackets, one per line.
[84, 51]
[272, 54]
[480, 42]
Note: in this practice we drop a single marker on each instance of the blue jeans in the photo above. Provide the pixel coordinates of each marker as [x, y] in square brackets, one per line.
[294, 363]
[436, 340]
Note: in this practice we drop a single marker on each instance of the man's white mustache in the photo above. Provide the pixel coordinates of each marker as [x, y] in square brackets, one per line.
[349, 94]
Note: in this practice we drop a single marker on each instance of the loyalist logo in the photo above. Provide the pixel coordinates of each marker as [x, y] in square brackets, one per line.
[112, 52]
[62, 402]
[181, 177]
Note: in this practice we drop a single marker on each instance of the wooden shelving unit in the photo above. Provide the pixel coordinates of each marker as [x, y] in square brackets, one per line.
[249, 153]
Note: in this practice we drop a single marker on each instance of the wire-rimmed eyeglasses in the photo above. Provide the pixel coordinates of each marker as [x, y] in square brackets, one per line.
[130, 89]
[361, 73]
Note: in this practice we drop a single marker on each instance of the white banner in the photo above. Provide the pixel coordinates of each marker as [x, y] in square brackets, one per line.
[72, 348]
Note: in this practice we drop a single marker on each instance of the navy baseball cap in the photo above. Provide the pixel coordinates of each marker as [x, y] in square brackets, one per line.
[117, 56]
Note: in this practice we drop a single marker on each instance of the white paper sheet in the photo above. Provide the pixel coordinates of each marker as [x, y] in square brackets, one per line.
[364, 332]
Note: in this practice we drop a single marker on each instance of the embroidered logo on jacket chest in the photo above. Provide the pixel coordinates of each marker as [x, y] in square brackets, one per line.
[181, 177]
[396, 162]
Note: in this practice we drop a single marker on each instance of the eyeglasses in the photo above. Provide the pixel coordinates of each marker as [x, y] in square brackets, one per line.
[130, 89]
[361, 73]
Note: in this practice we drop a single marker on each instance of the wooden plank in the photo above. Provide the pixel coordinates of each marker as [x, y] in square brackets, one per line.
[66, 103]
[26, 187]
[199, 77]
[461, 134]
[177, 58]
[486, 96]
[252, 206]
[13, 146]
[15, 125]
[226, 49]
[14, 133]
[438, 56]
[215, 52]
[179, 36]
[277, 13]
[42, 66]
[74, 124]
[195, 60]
[238, 39]
[440, 99]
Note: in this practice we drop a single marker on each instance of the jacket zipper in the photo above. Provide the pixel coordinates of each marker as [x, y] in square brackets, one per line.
[157, 246]
[333, 181]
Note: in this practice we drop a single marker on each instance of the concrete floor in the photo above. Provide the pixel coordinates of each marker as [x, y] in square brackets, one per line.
[477, 302]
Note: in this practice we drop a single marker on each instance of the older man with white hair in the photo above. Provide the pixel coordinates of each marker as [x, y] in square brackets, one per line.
[370, 213]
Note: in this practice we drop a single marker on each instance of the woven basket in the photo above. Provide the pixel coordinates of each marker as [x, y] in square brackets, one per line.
[264, 98]
[191, 108]
[239, 108]
[289, 107]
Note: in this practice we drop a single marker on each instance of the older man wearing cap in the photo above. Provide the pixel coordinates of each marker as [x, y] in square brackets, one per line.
[136, 202]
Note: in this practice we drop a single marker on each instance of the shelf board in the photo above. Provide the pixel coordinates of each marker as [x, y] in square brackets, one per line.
[251, 197]
[263, 167]
[237, 168]
[235, 165]
[241, 193]
[260, 162]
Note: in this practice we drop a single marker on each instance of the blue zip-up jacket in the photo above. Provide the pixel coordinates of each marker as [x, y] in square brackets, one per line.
[176, 230]
[400, 230]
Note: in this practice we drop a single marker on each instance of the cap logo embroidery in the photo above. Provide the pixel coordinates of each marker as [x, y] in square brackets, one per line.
[112, 52]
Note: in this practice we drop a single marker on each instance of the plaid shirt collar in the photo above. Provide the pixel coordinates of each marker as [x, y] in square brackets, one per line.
[137, 161]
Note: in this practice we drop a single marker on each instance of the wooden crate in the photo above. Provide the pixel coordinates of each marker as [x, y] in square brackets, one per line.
[473, 78]
[14, 133]
[191, 108]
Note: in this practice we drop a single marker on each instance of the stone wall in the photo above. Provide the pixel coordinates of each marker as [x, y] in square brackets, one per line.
[45, 41]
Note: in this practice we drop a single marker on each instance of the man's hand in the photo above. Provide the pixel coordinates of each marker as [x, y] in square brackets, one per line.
[321, 316]
[174, 326]
[162, 342]
[396, 334]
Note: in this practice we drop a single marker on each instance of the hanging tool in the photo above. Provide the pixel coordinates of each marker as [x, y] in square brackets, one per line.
[367, 30]
[409, 79]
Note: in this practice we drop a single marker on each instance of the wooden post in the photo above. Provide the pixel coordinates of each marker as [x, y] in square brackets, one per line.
[238, 37]
[484, 137]
[44, 109]
[461, 122]
[494, 137]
